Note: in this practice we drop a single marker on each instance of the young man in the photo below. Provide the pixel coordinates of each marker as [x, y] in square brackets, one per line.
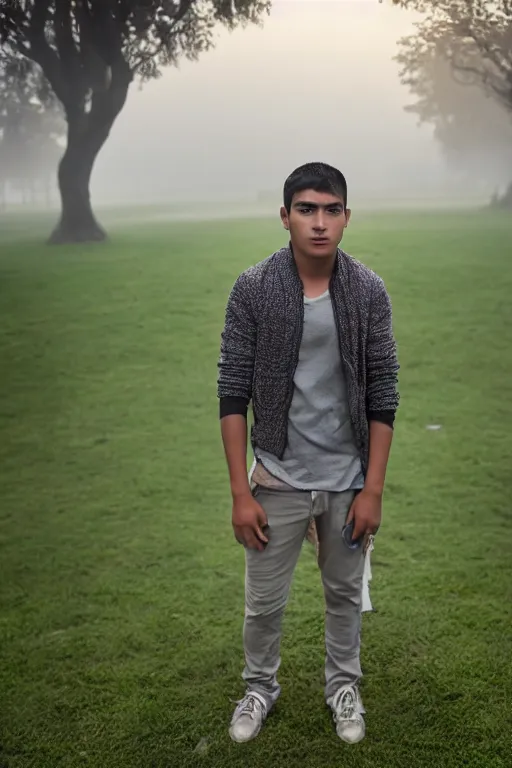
[308, 340]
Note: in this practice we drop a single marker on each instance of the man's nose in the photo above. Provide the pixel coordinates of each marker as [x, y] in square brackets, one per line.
[319, 223]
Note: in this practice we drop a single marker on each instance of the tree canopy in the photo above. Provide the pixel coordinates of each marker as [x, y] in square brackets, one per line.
[474, 36]
[85, 46]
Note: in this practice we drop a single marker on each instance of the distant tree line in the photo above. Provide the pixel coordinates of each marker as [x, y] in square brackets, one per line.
[31, 131]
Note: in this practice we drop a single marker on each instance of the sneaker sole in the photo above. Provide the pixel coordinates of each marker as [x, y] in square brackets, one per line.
[356, 741]
[243, 741]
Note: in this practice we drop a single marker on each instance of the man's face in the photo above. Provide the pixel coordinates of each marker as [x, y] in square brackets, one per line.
[316, 222]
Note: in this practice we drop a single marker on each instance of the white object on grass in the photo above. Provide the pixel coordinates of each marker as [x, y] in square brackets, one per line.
[367, 577]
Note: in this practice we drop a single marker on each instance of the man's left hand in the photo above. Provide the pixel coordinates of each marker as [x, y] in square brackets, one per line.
[366, 511]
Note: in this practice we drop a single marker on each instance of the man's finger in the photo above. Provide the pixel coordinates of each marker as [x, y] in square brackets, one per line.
[251, 540]
[359, 529]
[260, 534]
[351, 513]
[262, 518]
[240, 534]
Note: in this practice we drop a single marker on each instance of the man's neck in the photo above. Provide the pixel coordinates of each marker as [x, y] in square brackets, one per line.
[314, 269]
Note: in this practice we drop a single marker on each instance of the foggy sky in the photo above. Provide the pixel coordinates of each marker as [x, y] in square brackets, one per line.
[316, 82]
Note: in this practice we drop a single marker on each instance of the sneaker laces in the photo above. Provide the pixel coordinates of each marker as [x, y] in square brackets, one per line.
[250, 705]
[346, 705]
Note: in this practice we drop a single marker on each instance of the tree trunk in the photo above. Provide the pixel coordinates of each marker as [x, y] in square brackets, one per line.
[87, 133]
[77, 222]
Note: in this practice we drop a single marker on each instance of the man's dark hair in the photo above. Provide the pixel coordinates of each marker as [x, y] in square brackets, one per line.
[318, 176]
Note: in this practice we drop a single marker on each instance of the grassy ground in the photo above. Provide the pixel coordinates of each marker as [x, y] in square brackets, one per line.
[121, 585]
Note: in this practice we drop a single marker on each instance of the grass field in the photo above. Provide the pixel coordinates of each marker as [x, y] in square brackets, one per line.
[121, 585]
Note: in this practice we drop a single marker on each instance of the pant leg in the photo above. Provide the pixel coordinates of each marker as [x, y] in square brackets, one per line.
[342, 576]
[268, 578]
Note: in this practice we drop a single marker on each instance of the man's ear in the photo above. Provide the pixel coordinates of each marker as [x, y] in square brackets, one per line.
[348, 214]
[284, 217]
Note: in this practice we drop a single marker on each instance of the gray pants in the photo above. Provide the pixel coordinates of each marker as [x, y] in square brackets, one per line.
[267, 583]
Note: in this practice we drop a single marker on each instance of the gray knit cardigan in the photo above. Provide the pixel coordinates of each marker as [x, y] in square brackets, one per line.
[261, 339]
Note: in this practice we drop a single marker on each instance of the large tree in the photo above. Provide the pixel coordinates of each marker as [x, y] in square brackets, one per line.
[472, 37]
[90, 51]
[474, 130]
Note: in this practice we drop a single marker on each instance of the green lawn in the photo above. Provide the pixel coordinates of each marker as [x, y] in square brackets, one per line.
[121, 585]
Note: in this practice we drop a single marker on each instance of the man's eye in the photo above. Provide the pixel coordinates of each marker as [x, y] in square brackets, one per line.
[336, 211]
[305, 210]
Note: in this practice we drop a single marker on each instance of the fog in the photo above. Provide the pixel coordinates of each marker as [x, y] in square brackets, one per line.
[317, 81]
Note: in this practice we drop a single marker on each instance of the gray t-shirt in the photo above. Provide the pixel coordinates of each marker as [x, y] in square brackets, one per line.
[321, 454]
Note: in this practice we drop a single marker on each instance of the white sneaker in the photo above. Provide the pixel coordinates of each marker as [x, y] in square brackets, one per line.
[248, 717]
[348, 711]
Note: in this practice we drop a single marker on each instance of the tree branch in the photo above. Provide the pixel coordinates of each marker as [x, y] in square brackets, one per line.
[42, 53]
[485, 79]
[105, 50]
[64, 35]
[182, 10]
[493, 54]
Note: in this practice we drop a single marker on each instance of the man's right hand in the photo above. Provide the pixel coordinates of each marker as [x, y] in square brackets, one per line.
[248, 520]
